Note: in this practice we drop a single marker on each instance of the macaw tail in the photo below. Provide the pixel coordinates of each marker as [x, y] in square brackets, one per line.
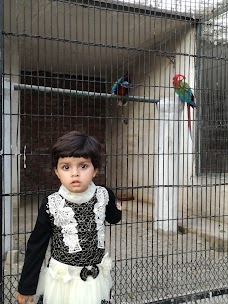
[189, 119]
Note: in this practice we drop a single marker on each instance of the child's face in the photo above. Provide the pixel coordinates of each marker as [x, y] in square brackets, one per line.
[75, 173]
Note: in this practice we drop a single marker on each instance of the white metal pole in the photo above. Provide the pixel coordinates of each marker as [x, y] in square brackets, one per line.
[167, 166]
[7, 167]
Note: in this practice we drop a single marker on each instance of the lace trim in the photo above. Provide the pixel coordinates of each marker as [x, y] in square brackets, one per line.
[99, 210]
[64, 217]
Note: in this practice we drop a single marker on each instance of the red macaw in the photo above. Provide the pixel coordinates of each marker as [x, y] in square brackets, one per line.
[185, 94]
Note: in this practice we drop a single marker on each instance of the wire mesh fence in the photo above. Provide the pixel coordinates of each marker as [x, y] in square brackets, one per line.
[107, 68]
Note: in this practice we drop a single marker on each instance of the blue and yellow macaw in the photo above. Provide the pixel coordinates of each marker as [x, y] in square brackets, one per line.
[185, 94]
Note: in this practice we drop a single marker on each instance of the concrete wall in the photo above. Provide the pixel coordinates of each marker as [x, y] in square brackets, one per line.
[46, 116]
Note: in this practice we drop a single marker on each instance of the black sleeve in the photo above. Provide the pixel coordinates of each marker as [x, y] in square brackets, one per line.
[35, 253]
[112, 215]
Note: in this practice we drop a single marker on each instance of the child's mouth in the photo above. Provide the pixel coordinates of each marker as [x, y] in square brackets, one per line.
[75, 182]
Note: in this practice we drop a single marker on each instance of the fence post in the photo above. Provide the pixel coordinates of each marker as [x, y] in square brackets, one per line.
[170, 111]
[1, 94]
[7, 166]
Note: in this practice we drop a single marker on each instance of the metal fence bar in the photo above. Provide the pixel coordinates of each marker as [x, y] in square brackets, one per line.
[1, 156]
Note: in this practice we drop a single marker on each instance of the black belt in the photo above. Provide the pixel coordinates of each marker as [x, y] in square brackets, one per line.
[85, 272]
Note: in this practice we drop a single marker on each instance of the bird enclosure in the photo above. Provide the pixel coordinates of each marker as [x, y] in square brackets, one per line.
[106, 68]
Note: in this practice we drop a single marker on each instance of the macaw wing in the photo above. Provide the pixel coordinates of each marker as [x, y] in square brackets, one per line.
[114, 88]
[189, 97]
[116, 84]
[182, 93]
[185, 94]
[120, 80]
[185, 91]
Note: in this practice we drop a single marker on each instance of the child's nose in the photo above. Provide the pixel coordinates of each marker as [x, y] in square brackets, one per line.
[75, 172]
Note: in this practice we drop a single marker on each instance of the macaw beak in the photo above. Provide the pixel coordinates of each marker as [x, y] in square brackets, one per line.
[178, 76]
[177, 80]
[182, 78]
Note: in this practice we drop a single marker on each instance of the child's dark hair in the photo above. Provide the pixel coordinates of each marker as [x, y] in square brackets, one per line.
[77, 144]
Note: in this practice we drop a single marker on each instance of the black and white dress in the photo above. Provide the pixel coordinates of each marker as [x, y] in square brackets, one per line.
[78, 271]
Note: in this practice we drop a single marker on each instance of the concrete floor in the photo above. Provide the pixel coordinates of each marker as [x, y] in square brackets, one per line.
[148, 266]
[216, 300]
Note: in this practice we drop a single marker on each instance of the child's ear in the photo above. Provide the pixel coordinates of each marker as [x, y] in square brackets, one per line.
[95, 172]
[56, 172]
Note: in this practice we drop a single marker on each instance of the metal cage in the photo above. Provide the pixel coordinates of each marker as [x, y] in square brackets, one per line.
[59, 63]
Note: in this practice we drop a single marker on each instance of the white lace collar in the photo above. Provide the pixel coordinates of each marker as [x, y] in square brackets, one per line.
[78, 198]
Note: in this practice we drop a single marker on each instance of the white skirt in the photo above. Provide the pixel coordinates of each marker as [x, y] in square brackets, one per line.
[61, 284]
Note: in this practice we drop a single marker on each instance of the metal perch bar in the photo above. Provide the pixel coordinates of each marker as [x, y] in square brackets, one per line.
[82, 93]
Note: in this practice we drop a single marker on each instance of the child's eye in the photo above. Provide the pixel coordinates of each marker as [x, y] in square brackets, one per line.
[83, 166]
[65, 167]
